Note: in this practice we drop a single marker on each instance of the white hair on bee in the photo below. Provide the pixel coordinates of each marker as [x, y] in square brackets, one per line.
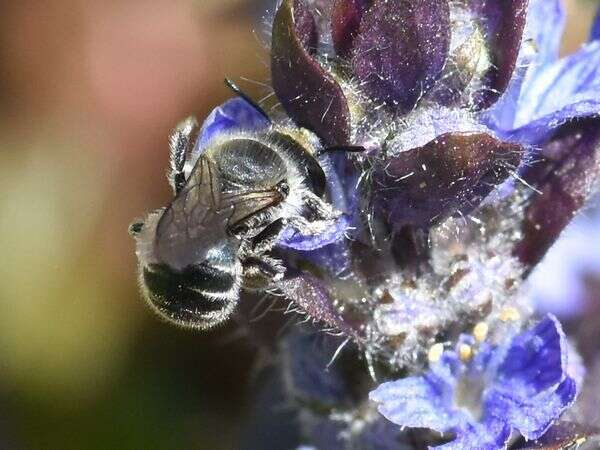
[145, 248]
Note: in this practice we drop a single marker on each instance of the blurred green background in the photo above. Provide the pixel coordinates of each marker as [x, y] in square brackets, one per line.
[89, 91]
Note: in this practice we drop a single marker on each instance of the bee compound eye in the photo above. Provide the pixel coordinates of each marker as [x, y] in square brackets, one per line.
[199, 296]
[136, 228]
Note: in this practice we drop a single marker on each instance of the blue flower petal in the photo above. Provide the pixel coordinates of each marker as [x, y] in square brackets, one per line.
[525, 387]
[533, 388]
[532, 416]
[559, 284]
[419, 402]
[536, 360]
[545, 25]
[291, 238]
[234, 114]
[491, 435]
[557, 93]
[595, 31]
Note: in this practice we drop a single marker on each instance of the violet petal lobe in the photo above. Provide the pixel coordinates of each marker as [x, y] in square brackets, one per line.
[536, 358]
[482, 399]
[233, 115]
[401, 49]
[345, 22]
[418, 402]
[504, 22]
[556, 93]
[292, 238]
[545, 24]
[492, 435]
[532, 416]
[452, 173]
[311, 96]
[563, 179]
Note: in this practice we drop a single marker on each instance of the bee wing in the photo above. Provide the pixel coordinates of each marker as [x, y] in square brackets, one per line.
[195, 221]
[248, 204]
[201, 216]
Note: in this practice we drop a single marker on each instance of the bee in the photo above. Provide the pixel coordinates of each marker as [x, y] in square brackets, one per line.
[232, 201]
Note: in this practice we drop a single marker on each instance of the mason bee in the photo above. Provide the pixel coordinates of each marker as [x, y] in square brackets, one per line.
[232, 200]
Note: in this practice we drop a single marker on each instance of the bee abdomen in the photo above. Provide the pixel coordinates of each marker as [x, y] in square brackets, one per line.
[200, 295]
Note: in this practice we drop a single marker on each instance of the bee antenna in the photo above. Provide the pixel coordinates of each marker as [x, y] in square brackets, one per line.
[342, 148]
[235, 88]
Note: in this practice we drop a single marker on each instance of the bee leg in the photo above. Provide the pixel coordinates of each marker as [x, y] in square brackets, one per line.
[260, 272]
[320, 210]
[267, 238]
[321, 216]
[260, 269]
[307, 227]
[181, 143]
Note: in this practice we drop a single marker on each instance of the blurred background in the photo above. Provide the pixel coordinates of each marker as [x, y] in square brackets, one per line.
[88, 93]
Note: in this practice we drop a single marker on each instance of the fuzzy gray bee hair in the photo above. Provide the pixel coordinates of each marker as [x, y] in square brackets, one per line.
[216, 237]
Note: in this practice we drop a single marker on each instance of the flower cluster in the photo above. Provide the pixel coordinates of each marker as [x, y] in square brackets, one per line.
[457, 146]
[522, 384]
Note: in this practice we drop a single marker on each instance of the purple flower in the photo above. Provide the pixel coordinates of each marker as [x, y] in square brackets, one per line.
[520, 385]
[441, 160]
[405, 80]
[392, 53]
[233, 115]
[549, 91]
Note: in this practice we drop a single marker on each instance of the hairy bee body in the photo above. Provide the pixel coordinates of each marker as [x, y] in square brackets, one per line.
[232, 200]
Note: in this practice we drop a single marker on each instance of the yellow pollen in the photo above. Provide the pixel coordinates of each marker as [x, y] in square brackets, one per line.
[480, 331]
[510, 314]
[435, 352]
[465, 352]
